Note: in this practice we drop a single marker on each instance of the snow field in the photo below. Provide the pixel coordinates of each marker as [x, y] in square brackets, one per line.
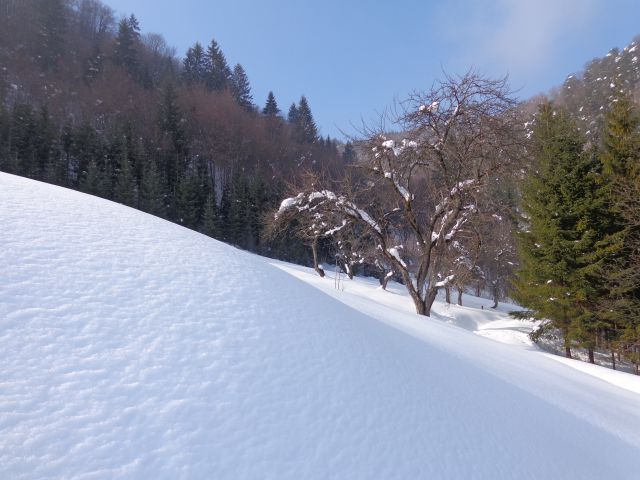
[134, 348]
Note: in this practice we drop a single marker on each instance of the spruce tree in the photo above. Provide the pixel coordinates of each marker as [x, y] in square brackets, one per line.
[292, 116]
[195, 65]
[238, 215]
[23, 134]
[125, 188]
[219, 73]
[7, 159]
[621, 141]
[211, 217]
[188, 204]
[240, 88]
[151, 196]
[563, 206]
[48, 168]
[271, 107]
[174, 137]
[305, 126]
[621, 166]
[126, 48]
[91, 179]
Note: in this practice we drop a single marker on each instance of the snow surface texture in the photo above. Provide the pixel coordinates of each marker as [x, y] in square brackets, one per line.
[134, 348]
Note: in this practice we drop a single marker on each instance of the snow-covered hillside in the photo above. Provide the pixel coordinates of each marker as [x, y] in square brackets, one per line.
[134, 348]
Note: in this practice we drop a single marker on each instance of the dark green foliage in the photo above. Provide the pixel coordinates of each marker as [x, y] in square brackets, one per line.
[23, 140]
[219, 74]
[44, 143]
[189, 201]
[84, 145]
[151, 196]
[271, 106]
[174, 136]
[292, 116]
[211, 220]
[566, 217]
[621, 141]
[305, 129]
[90, 182]
[7, 158]
[621, 165]
[240, 88]
[235, 210]
[126, 47]
[126, 190]
[196, 65]
[308, 129]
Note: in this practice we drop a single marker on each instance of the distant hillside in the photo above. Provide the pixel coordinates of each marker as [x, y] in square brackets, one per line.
[588, 94]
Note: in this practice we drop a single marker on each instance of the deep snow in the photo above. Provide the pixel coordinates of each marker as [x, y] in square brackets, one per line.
[134, 348]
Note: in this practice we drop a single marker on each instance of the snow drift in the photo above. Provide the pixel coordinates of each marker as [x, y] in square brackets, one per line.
[134, 348]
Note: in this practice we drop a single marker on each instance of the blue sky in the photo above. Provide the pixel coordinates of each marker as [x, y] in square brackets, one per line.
[353, 58]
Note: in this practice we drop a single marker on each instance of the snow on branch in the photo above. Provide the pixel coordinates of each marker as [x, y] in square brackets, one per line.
[393, 251]
[445, 282]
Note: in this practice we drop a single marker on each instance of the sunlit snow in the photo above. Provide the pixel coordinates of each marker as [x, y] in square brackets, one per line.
[134, 348]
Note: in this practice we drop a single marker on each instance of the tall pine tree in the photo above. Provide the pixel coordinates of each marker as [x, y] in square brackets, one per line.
[125, 188]
[126, 48]
[621, 165]
[304, 125]
[195, 65]
[240, 88]
[151, 196]
[219, 73]
[292, 115]
[271, 106]
[563, 206]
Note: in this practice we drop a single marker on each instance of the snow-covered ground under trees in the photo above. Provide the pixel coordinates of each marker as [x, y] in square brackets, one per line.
[133, 348]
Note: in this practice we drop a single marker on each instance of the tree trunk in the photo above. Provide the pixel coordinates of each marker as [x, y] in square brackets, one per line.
[432, 293]
[495, 297]
[419, 304]
[346, 268]
[567, 344]
[316, 267]
[385, 281]
[350, 271]
[423, 307]
[460, 291]
[478, 289]
[447, 294]
[613, 358]
[591, 357]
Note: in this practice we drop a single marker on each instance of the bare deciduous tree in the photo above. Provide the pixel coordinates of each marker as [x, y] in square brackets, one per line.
[415, 193]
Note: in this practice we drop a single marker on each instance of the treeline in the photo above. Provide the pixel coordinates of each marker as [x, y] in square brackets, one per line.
[90, 103]
[580, 241]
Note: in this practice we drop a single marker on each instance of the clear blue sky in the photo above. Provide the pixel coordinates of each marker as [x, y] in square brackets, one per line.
[352, 58]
